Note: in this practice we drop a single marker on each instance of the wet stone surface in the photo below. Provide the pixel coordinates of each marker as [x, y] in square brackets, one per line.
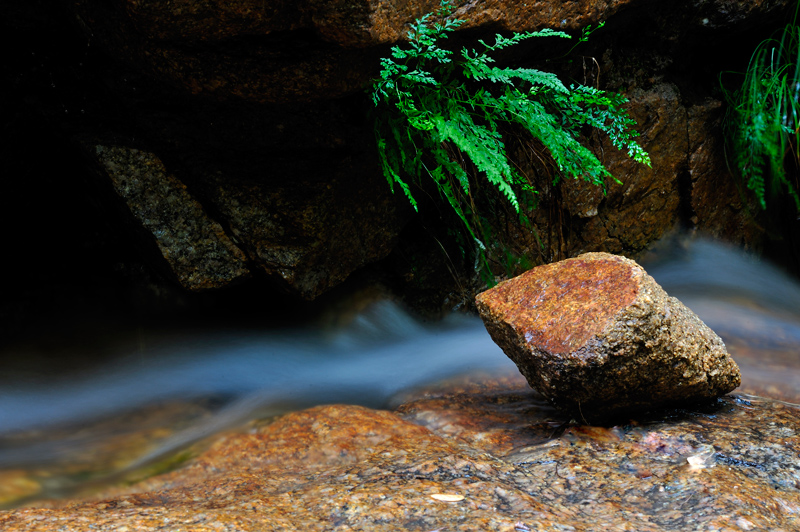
[480, 454]
[600, 338]
[79, 457]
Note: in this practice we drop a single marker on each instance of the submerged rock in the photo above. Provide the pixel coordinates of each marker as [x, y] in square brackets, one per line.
[599, 337]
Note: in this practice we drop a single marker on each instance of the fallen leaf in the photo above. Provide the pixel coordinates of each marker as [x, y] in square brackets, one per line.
[705, 457]
[447, 497]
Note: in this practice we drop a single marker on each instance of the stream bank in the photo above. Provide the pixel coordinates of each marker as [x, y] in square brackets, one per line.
[418, 410]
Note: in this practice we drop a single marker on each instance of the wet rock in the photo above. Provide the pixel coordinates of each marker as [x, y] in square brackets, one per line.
[674, 472]
[505, 458]
[195, 247]
[599, 337]
[63, 459]
[15, 485]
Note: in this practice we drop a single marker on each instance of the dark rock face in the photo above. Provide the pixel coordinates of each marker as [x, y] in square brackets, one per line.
[599, 337]
[646, 204]
[196, 248]
[716, 204]
[494, 446]
[313, 235]
[314, 49]
[310, 236]
[259, 110]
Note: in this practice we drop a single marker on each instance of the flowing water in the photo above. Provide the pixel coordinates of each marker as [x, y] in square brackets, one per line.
[161, 392]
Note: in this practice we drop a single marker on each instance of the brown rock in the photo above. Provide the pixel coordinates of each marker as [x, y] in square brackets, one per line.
[599, 337]
[308, 49]
[646, 204]
[497, 444]
[718, 206]
[312, 49]
[575, 216]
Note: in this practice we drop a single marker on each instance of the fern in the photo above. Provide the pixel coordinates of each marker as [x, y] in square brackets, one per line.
[437, 109]
[763, 120]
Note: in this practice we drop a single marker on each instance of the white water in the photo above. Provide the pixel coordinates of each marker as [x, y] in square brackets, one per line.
[383, 351]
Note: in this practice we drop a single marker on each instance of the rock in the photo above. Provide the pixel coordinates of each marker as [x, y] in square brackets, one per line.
[307, 237]
[646, 204]
[599, 337]
[311, 49]
[309, 234]
[504, 458]
[716, 204]
[195, 247]
[16, 484]
[271, 99]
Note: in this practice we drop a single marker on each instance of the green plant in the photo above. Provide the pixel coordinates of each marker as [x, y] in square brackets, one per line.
[441, 114]
[762, 125]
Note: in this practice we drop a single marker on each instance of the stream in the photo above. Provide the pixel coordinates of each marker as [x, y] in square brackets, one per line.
[160, 392]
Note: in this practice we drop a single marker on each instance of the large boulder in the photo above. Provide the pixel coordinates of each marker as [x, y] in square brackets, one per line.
[599, 337]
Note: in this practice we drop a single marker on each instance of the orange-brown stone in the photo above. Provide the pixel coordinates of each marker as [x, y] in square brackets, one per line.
[488, 455]
[598, 336]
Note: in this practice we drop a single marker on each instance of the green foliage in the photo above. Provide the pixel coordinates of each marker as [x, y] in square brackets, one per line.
[441, 114]
[762, 125]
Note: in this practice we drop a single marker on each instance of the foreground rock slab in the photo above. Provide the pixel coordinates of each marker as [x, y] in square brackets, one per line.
[599, 337]
[480, 455]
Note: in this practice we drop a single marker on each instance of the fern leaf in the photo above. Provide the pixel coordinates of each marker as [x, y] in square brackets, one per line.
[504, 42]
[483, 146]
[437, 123]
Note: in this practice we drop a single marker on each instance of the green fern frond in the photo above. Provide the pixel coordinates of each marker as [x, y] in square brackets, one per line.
[762, 124]
[440, 112]
[482, 145]
[501, 42]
